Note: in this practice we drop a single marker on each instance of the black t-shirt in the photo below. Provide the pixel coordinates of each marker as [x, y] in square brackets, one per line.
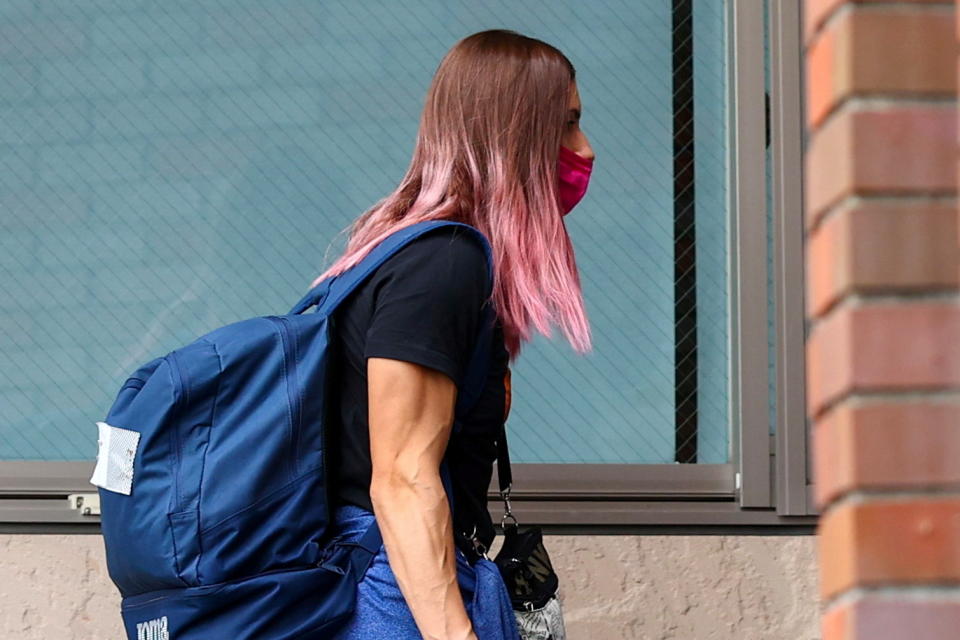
[423, 305]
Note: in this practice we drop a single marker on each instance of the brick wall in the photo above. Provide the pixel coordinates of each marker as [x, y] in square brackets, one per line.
[884, 346]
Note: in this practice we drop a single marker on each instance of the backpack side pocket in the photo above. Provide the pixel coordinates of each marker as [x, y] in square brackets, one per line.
[186, 545]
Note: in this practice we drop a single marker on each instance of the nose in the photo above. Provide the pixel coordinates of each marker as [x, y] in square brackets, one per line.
[583, 147]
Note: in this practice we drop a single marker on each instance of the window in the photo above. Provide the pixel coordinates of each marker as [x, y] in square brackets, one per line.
[172, 169]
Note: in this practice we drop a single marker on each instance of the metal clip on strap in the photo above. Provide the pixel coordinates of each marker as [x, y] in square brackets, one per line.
[478, 547]
[507, 510]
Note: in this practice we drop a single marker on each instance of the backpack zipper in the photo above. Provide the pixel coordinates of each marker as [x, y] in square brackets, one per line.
[293, 399]
[132, 601]
[180, 389]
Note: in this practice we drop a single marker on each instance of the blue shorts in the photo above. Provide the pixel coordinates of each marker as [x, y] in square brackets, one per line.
[382, 612]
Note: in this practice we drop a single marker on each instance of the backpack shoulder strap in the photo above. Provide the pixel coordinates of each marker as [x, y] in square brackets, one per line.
[328, 295]
[331, 292]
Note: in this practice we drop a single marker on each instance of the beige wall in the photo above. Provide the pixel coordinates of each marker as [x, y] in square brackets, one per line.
[615, 587]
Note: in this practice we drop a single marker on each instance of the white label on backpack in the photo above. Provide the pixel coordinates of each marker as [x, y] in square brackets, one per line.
[116, 450]
[155, 629]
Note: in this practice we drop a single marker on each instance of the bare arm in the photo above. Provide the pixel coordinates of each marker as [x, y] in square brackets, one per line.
[411, 416]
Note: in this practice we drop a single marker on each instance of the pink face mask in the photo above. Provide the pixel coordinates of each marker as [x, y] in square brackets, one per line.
[573, 172]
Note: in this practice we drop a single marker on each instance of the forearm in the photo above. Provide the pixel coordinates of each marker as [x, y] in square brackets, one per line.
[417, 528]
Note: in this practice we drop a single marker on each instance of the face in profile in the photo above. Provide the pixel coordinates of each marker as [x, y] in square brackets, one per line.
[573, 137]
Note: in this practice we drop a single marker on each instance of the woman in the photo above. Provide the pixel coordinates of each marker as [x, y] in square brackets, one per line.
[499, 148]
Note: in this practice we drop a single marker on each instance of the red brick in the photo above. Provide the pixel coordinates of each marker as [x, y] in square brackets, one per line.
[828, 272]
[882, 246]
[836, 552]
[829, 166]
[817, 12]
[886, 445]
[826, 72]
[904, 246]
[882, 347]
[881, 52]
[890, 542]
[867, 151]
[837, 624]
[904, 50]
[829, 360]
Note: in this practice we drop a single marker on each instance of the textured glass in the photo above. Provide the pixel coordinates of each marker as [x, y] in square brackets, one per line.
[169, 167]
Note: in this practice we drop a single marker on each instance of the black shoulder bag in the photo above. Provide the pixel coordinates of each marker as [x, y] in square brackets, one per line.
[525, 565]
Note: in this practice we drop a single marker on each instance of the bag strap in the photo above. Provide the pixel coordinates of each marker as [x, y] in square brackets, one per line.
[475, 376]
[328, 295]
[504, 473]
[369, 543]
[365, 550]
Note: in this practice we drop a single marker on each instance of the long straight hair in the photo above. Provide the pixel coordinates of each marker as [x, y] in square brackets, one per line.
[486, 155]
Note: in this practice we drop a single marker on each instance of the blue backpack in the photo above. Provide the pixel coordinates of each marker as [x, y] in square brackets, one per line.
[210, 470]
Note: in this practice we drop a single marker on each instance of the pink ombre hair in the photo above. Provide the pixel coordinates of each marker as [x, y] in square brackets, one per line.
[486, 155]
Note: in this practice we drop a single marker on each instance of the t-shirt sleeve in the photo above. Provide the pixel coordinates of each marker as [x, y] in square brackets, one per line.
[427, 302]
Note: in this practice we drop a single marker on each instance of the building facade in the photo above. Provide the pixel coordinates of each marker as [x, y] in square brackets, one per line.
[883, 354]
[769, 257]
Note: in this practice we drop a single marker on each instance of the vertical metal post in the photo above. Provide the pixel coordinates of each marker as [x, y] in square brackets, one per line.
[684, 237]
[787, 139]
[749, 253]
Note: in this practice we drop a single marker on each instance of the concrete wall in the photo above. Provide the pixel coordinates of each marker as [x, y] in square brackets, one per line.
[615, 587]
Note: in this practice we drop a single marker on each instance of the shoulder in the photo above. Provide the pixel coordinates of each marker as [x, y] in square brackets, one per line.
[427, 299]
[451, 243]
[444, 254]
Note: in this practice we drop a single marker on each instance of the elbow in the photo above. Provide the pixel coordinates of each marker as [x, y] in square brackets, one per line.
[384, 488]
[399, 484]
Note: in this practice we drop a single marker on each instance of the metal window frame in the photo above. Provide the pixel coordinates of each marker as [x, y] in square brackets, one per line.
[765, 485]
[786, 121]
[748, 256]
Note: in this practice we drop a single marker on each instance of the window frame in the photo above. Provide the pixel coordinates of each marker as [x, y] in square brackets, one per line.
[793, 489]
[766, 483]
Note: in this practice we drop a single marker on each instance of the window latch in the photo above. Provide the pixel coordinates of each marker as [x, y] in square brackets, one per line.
[87, 503]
